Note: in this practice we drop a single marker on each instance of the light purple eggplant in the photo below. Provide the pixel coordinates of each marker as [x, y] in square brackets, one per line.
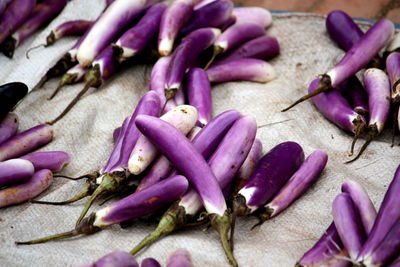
[131, 207]
[301, 180]
[248, 165]
[158, 76]
[16, 13]
[377, 86]
[393, 71]
[387, 216]
[26, 141]
[247, 69]
[54, 161]
[362, 202]
[180, 258]
[374, 40]
[69, 28]
[41, 14]
[354, 92]
[3, 6]
[119, 14]
[224, 163]
[15, 171]
[114, 259]
[180, 98]
[265, 47]
[183, 118]
[199, 94]
[348, 224]
[103, 67]
[73, 75]
[17, 194]
[328, 251]
[184, 56]
[388, 249]
[139, 37]
[172, 21]
[213, 14]
[257, 15]
[273, 170]
[150, 262]
[117, 132]
[8, 127]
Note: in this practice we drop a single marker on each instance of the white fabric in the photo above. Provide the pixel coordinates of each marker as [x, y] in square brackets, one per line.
[86, 133]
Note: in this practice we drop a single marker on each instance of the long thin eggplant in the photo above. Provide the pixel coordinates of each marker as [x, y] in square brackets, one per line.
[355, 94]
[15, 171]
[257, 15]
[69, 28]
[8, 127]
[54, 161]
[377, 37]
[158, 76]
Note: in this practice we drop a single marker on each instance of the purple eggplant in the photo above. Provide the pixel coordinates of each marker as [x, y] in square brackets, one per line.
[15, 171]
[3, 6]
[396, 263]
[180, 258]
[54, 161]
[378, 36]
[348, 224]
[184, 55]
[387, 216]
[199, 94]
[26, 142]
[114, 259]
[247, 69]
[119, 14]
[273, 170]
[172, 21]
[377, 86]
[8, 127]
[136, 39]
[150, 262]
[362, 202]
[39, 182]
[264, 47]
[69, 28]
[354, 92]
[393, 70]
[328, 251]
[257, 15]
[16, 13]
[117, 131]
[133, 206]
[213, 14]
[42, 13]
[73, 75]
[157, 78]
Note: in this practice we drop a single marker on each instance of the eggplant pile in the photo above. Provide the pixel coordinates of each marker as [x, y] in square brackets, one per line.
[339, 95]
[359, 235]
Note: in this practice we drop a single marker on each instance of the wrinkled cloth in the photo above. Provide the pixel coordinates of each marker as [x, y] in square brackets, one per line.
[86, 133]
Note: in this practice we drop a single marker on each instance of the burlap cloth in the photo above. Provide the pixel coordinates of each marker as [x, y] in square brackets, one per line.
[86, 133]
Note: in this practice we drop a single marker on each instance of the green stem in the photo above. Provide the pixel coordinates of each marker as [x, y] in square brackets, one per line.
[49, 238]
[87, 190]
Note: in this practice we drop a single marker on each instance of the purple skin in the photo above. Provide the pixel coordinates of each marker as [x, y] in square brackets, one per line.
[117, 132]
[273, 170]
[393, 70]
[3, 6]
[301, 180]
[214, 14]
[361, 53]
[354, 92]
[244, 69]
[184, 55]
[69, 28]
[26, 142]
[388, 249]
[16, 13]
[264, 47]
[54, 161]
[109, 2]
[172, 21]
[131, 207]
[199, 94]
[136, 39]
[15, 171]
[396, 263]
[119, 14]
[228, 23]
[115, 259]
[336, 109]
[42, 13]
[150, 262]
[158, 76]
[8, 127]
[387, 216]
[39, 182]
[180, 258]
[328, 251]
[179, 97]
[362, 202]
[348, 224]
[257, 15]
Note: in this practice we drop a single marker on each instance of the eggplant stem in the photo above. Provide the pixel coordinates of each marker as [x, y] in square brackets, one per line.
[359, 128]
[33, 48]
[371, 137]
[217, 50]
[84, 193]
[170, 93]
[323, 86]
[65, 79]
[50, 238]
[90, 176]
